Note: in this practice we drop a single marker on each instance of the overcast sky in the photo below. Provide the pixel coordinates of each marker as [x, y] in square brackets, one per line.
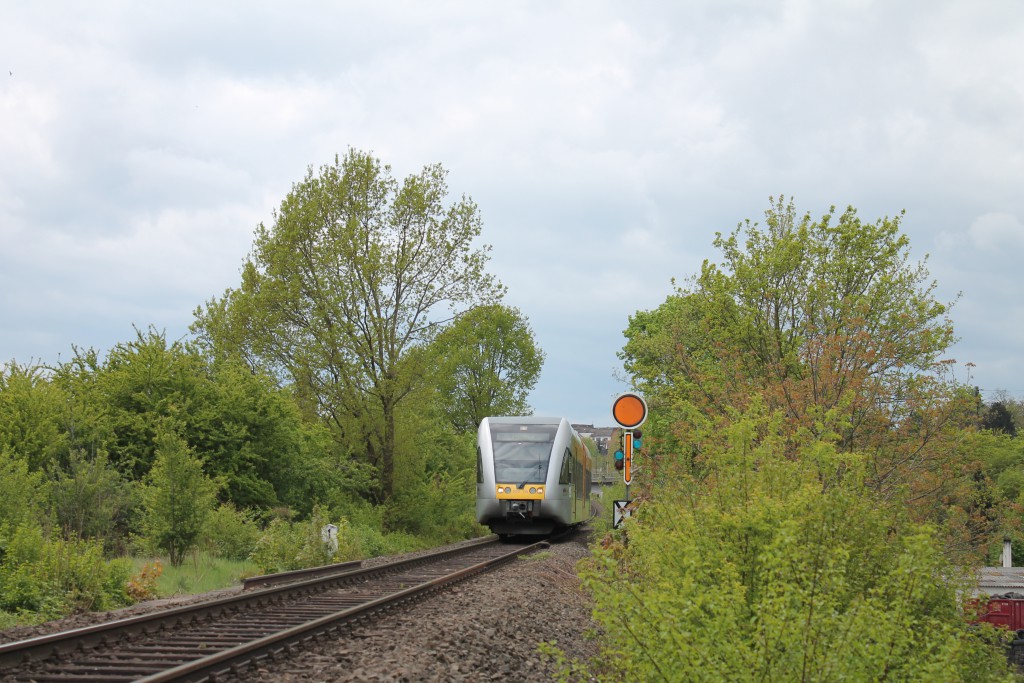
[605, 143]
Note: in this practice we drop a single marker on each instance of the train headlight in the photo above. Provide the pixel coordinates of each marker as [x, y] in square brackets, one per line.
[533, 489]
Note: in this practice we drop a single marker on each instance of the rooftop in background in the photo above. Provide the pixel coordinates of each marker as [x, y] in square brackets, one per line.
[1000, 580]
[600, 435]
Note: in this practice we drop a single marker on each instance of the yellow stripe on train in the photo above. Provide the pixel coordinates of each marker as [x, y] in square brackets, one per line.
[513, 492]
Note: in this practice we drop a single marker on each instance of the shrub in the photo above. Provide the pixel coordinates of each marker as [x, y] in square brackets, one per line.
[178, 498]
[284, 546]
[142, 586]
[439, 509]
[20, 497]
[370, 541]
[793, 565]
[89, 498]
[53, 576]
[230, 533]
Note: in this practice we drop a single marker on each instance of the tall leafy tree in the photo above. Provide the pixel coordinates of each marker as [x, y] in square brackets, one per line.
[803, 581]
[998, 418]
[487, 361]
[89, 498]
[178, 497]
[31, 409]
[830, 322]
[249, 431]
[355, 274]
[802, 379]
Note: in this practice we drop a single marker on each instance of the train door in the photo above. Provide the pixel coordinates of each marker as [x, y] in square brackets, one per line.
[565, 480]
[577, 463]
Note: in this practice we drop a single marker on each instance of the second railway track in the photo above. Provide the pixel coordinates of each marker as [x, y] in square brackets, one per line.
[200, 641]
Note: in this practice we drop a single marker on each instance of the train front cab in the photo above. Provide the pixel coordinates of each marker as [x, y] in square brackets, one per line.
[533, 476]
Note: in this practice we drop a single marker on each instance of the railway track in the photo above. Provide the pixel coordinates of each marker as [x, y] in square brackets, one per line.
[198, 642]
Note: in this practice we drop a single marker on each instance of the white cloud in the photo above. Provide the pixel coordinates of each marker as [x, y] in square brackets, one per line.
[995, 234]
[140, 146]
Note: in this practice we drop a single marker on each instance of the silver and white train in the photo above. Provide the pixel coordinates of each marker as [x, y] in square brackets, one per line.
[532, 475]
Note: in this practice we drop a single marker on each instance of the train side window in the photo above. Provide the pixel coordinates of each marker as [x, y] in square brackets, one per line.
[579, 473]
[565, 476]
[479, 466]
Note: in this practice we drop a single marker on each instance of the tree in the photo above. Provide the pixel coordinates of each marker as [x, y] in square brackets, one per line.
[178, 497]
[1014, 406]
[90, 498]
[803, 386]
[826, 320]
[998, 418]
[30, 415]
[20, 492]
[354, 276]
[250, 432]
[488, 361]
[802, 581]
[139, 385]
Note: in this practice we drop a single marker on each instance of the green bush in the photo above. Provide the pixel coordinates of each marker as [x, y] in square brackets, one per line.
[20, 490]
[230, 533]
[284, 546]
[372, 542]
[778, 569]
[178, 497]
[90, 499]
[439, 509]
[120, 572]
[53, 576]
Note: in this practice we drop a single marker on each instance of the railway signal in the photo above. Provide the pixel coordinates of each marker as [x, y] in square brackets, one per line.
[629, 411]
[627, 469]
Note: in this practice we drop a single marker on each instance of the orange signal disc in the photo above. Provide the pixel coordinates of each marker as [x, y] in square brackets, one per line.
[629, 410]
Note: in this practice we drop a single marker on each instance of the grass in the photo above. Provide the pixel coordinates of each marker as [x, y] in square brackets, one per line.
[199, 573]
[537, 556]
[9, 620]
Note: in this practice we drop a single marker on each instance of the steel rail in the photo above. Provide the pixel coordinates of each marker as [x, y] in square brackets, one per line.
[42, 647]
[265, 580]
[234, 659]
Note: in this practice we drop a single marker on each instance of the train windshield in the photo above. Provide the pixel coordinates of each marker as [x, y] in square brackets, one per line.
[522, 452]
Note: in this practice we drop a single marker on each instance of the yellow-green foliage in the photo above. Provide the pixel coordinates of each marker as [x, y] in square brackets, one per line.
[20, 490]
[178, 498]
[778, 569]
[201, 572]
[54, 576]
[285, 546]
[230, 533]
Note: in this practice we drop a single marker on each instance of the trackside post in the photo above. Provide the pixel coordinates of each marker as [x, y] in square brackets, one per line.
[629, 411]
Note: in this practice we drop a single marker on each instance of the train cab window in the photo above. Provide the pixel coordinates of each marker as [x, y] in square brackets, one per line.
[479, 466]
[522, 451]
[565, 476]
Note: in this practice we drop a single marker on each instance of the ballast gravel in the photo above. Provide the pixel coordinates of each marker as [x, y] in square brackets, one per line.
[486, 628]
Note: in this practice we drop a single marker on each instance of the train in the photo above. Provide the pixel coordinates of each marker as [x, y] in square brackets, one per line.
[533, 476]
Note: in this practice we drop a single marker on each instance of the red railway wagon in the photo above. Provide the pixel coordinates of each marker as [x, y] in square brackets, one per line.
[1005, 612]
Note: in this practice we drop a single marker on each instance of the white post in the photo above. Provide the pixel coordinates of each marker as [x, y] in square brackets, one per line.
[1007, 554]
